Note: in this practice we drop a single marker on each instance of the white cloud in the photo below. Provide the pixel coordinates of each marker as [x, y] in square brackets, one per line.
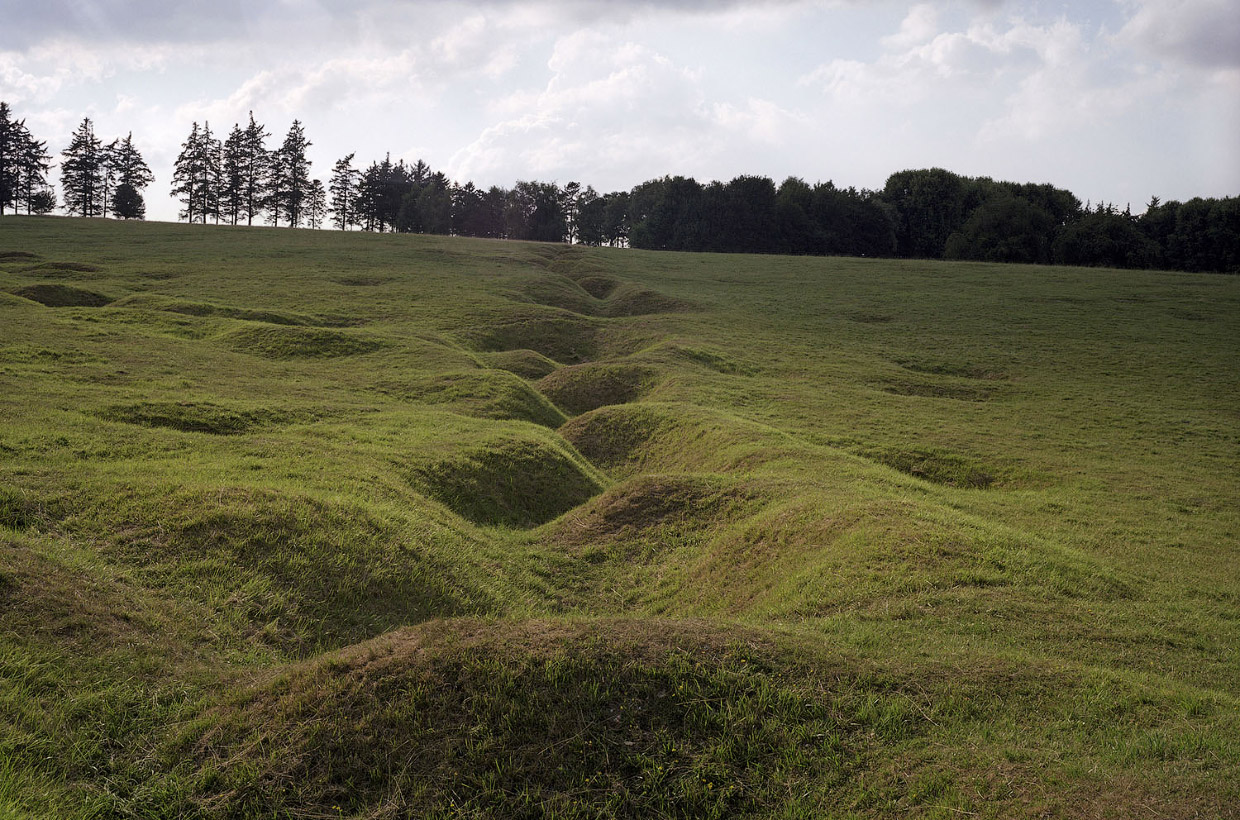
[1203, 33]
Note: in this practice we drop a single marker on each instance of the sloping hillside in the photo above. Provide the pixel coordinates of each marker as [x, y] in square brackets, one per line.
[307, 524]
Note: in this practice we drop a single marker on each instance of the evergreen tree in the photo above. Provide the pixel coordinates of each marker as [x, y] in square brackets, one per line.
[82, 172]
[196, 175]
[11, 145]
[126, 167]
[289, 178]
[254, 161]
[127, 202]
[316, 204]
[34, 161]
[232, 177]
[343, 188]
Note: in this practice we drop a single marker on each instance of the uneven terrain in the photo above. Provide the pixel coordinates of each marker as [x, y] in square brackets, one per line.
[318, 524]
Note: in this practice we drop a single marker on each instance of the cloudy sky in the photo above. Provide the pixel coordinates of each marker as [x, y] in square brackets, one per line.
[1114, 99]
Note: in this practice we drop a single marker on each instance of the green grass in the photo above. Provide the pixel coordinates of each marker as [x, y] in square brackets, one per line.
[314, 524]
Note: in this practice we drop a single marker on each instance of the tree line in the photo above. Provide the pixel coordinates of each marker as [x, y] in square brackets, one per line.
[927, 213]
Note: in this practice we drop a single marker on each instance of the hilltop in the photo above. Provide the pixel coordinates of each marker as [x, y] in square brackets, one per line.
[323, 524]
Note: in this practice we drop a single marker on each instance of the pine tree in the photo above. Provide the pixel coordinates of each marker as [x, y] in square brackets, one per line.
[343, 188]
[195, 177]
[10, 152]
[232, 177]
[82, 172]
[33, 163]
[316, 204]
[125, 167]
[127, 203]
[289, 178]
[254, 161]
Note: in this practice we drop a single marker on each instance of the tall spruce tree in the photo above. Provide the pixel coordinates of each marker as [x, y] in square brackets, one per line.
[195, 177]
[232, 177]
[82, 172]
[129, 171]
[289, 178]
[33, 163]
[316, 204]
[10, 154]
[255, 161]
[343, 188]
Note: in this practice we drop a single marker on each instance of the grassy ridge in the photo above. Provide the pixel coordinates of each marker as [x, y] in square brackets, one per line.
[304, 524]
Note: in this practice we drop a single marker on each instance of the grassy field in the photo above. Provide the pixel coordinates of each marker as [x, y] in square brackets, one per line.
[312, 525]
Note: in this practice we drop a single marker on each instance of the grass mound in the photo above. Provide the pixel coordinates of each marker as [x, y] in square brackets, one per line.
[680, 438]
[488, 394]
[17, 256]
[284, 570]
[630, 511]
[941, 467]
[54, 268]
[614, 436]
[55, 295]
[280, 342]
[197, 417]
[633, 300]
[515, 482]
[598, 285]
[933, 390]
[605, 296]
[362, 281]
[582, 388]
[567, 341]
[527, 364]
[559, 292]
[963, 370]
[535, 719]
[194, 308]
[17, 510]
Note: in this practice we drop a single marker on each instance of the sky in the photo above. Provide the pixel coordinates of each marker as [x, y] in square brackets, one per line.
[1115, 100]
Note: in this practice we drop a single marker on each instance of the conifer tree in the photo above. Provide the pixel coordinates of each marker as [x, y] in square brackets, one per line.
[10, 152]
[316, 204]
[289, 178]
[343, 188]
[254, 161]
[82, 172]
[195, 177]
[232, 177]
[127, 169]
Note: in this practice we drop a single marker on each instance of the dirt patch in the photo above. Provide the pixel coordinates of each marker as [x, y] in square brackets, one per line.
[17, 256]
[509, 482]
[582, 388]
[55, 295]
[527, 364]
[279, 342]
[567, 341]
[197, 417]
[956, 392]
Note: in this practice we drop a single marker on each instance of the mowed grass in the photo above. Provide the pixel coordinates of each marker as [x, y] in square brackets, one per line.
[312, 524]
